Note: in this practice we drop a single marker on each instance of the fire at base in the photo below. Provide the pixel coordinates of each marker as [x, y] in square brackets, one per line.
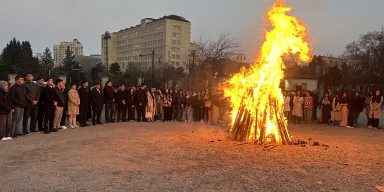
[257, 102]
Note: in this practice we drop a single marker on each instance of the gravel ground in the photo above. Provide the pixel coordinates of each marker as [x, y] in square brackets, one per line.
[176, 156]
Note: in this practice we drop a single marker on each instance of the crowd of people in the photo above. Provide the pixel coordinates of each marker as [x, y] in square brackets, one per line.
[47, 106]
[336, 109]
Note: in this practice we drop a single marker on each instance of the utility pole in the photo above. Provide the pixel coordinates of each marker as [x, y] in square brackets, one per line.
[153, 65]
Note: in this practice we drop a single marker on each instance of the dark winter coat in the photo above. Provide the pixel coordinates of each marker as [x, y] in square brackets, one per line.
[109, 94]
[84, 96]
[49, 95]
[5, 103]
[142, 96]
[122, 96]
[18, 95]
[97, 99]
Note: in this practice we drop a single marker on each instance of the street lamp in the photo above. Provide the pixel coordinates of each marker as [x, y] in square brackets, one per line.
[106, 37]
[153, 65]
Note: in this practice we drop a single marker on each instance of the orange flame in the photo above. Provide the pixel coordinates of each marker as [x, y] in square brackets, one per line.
[257, 88]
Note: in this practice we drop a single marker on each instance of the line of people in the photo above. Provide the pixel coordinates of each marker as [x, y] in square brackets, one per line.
[45, 106]
[338, 109]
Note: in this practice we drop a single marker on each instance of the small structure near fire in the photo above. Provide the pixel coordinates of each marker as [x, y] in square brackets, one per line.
[256, 98]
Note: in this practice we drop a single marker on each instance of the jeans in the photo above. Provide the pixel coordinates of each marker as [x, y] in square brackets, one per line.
[5, 125]
[30, 111]
[307, 115]
[16, 119]
[188, 114]
[179, 112]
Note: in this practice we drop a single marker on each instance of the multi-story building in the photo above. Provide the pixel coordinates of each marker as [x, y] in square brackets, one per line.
[168, 36]
[59, 51]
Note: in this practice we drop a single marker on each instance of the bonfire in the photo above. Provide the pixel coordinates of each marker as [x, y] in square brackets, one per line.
[256, 100]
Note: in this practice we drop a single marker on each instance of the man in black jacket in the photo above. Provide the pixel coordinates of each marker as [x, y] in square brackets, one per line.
[31, 109]
[41, 109]
[60, 104]
[142, 100]
[50, 103]
[122, 95]
[84, 102]
[19, 101]
[109, 99]
[97, 103]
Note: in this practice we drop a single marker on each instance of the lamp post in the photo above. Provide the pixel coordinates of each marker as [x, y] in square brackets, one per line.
[153, 65]
[106, 37]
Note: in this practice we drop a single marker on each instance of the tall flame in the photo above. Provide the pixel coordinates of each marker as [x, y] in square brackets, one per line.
[257, 89]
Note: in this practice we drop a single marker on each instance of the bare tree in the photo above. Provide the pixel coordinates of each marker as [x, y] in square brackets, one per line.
[224, 47]
[367, 58]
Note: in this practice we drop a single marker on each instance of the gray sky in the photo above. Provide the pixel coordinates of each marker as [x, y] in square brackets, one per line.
[331, 23]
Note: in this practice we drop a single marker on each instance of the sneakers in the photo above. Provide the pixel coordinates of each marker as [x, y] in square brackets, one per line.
[4, 139]
[9, 138]
[350, 127]
[63, 127]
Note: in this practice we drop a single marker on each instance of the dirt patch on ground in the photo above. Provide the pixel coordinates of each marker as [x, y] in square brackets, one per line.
[175, 156]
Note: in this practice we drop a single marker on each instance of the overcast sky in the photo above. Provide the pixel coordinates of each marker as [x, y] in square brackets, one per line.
[331, 23]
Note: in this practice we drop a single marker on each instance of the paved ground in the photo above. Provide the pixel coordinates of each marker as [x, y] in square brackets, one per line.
[177, 156]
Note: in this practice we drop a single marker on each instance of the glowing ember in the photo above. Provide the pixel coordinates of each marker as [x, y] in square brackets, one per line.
[256, 99]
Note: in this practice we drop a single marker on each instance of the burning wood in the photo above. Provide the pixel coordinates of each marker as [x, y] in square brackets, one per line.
[256, 99]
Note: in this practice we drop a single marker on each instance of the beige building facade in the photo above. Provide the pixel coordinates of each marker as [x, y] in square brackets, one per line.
[169, 37]
[59, 51]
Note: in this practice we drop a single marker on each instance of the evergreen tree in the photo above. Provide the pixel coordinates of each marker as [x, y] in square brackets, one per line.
[47, 61]
[17, 58]
[70, 67]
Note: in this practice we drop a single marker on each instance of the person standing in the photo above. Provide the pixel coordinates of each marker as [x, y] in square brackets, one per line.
[109, 99]
[97, 104]
[197, 106]
[368, 108]
[131, 104]
[344, 110]
[41, 109]
[359, 108]
[336, 110]
[116, 115]
[60, 104]
[73, 106]
[167, 106]
[84, 103]
[6, 108]
[151, 105]
[352, 107]
[287, 108]
[375, 111]
[19, 100]
[179, 105]
[65, 109]
[315, 99]
[308, 106]
[142, 101]
[159, 99]
[50, 103]
[31, 109]
[188, 106]
[207, 106]
[325, 108]
[297, 112]
[122, 106]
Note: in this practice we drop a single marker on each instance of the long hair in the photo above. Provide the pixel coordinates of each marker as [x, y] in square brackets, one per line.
[375, 98]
